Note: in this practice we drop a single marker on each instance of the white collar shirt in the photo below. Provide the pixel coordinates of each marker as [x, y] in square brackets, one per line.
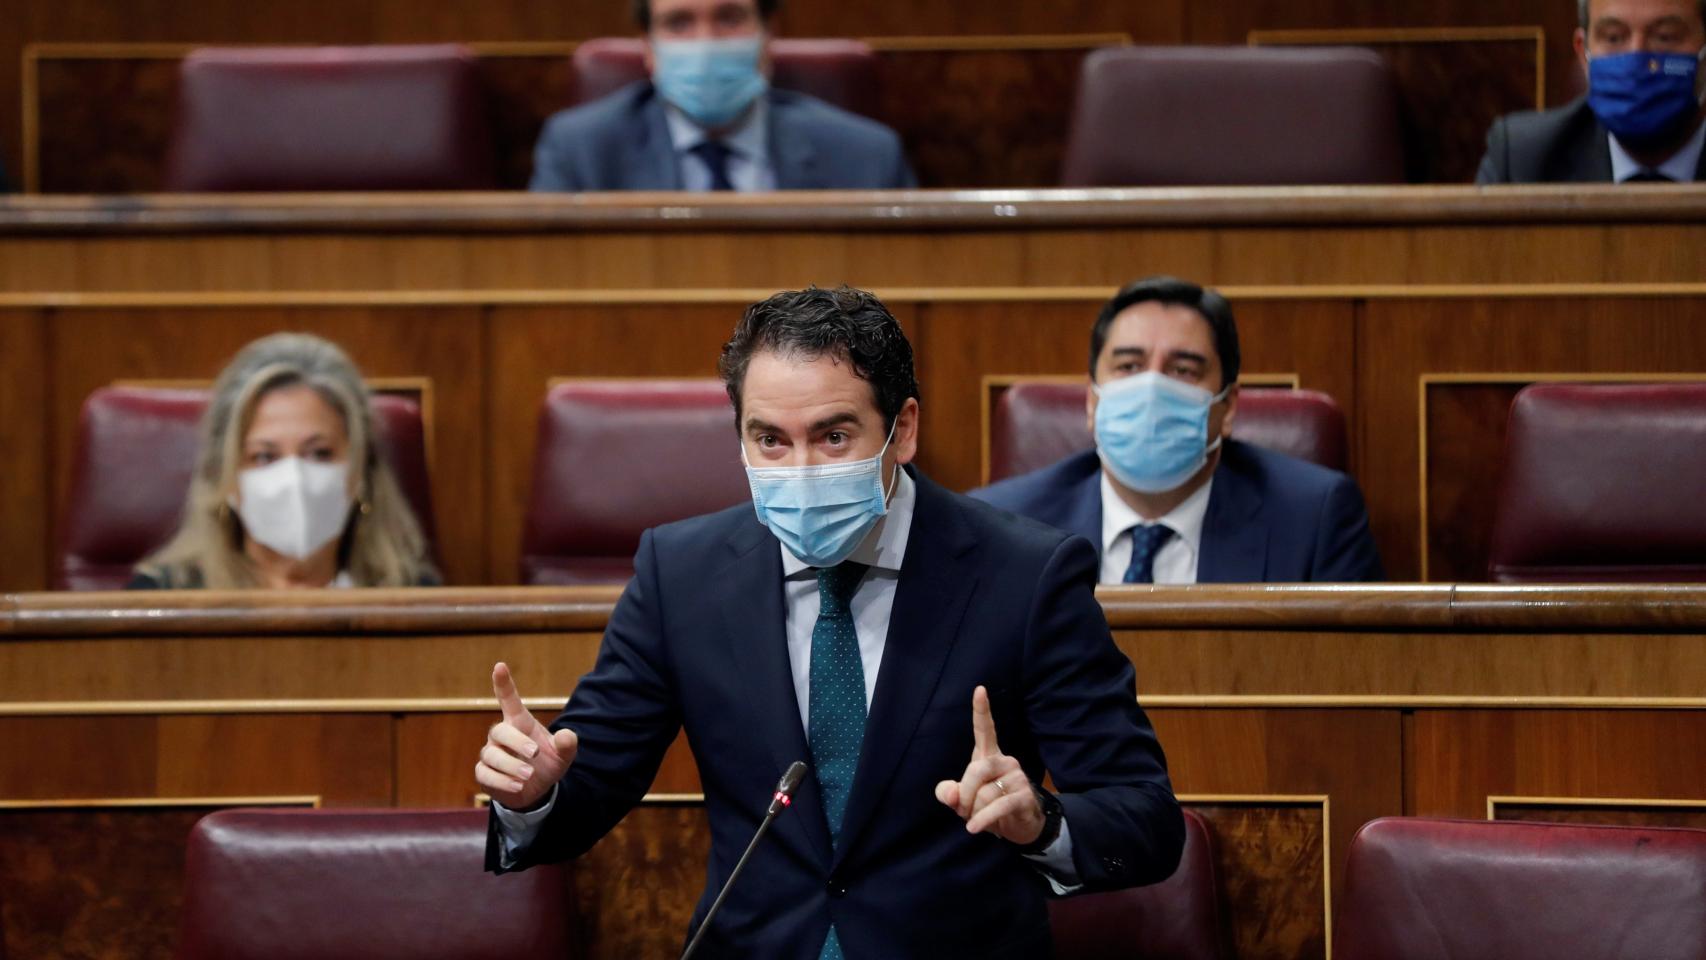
[1176, 561]
[748, 143]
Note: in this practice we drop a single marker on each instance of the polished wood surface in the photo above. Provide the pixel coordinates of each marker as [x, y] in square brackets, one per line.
[1290, 716]
[1418, 309]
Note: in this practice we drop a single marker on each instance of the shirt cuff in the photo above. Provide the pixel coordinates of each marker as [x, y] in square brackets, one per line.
[518, 829]
[1054, 862]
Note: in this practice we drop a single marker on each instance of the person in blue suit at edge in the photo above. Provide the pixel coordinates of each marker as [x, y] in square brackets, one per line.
[930, 658]
[708, 118]
[1167, 494]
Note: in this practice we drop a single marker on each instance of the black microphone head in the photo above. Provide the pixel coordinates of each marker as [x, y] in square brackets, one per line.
[791, 779]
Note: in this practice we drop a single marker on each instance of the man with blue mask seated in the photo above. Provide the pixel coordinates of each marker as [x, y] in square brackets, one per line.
[927, 657]
[1166, 494]
[708, 118]
[1644, 117]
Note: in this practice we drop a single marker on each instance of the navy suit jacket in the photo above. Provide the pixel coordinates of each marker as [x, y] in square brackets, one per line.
[1564, 145]
[621, 142]
[697, 643]
[1271, 518]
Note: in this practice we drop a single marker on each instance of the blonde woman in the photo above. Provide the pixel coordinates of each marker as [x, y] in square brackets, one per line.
[290, 490]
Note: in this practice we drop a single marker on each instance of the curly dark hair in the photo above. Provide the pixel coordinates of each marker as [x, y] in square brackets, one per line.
[845, 323]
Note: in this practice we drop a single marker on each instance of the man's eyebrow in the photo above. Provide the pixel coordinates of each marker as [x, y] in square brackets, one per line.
[1127, 351]
[834, 420]
[755, 425]
[1188, 355]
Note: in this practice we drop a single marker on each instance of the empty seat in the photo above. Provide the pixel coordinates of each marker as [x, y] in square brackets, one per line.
[1602, 483]
[331, 118]
[1169, 116]
[842, 72]
[1176, 919]
[1420, 889]
[287, 884]
[136, 450]
[1037, 422]
[616, 457]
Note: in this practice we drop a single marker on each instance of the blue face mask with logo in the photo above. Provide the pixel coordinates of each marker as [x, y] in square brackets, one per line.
[820, 513]
[712, 81]
[1152, 430]
[1644, 98]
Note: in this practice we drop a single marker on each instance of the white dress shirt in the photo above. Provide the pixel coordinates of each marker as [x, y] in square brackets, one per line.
[1176, 561]
[749, 166]
[882, 551]
[1680, 167]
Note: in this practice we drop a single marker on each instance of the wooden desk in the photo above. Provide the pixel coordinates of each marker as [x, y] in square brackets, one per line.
[1290, 716]
[1421, 310]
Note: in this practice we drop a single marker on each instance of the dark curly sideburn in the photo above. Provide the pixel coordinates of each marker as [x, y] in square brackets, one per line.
[845, 323]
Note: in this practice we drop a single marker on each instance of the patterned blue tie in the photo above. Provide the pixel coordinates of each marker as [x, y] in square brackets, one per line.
[715, 155]
[835, 711]
[1146, 541]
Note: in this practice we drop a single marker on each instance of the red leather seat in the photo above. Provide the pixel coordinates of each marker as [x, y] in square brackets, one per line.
[1176, 116]
[313, 884]
[1038, 422]
[1419, 889]
[136, 450]
[842, 72]
[331, 118]
[1603, 483]
[616, 457]
[1176, 919]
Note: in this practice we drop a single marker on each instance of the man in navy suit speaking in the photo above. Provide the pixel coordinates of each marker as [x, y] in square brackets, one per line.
[708, 118]
[928, 656]
[1166, 494]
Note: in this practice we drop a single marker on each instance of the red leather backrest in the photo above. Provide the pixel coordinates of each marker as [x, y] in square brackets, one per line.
[1603, 483]
[136, 450]
[1038, 422]
[1167, 116]
[616, 457]
[1177, 919]
[842, 72]
[1420, 889]
[331, 118]
[313, 884]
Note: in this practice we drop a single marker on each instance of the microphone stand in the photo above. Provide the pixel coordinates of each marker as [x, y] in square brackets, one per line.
[783, 797]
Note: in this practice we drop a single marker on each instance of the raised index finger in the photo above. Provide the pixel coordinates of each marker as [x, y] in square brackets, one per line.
[509, 699]
[983, 725]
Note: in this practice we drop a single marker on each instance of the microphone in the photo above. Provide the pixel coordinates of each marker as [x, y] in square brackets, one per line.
[778, 802]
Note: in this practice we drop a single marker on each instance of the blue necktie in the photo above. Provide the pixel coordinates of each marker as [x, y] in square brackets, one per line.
[715, 155]
[1146, 541]
[835, 709]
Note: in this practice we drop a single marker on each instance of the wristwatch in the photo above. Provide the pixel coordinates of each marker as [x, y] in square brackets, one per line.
[1052, 817]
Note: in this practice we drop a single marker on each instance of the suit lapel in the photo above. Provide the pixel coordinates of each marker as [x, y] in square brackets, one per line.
[936, 582]
[753, 618]
[793, 153]
[1084, 512]
[650, 161]
[1234, 536]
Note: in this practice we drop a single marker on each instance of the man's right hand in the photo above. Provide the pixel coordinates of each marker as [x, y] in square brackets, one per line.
[522, 759]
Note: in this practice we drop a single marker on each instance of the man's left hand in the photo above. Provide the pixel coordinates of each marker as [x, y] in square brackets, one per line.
[994, 794]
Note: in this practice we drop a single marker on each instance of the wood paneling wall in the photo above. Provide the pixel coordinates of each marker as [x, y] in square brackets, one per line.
[1290, 716]
[1419, 310]
[391, 21]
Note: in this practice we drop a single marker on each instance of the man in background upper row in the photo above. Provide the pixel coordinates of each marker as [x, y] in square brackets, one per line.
[1644, 116]
[708, 118]
[1166, 494]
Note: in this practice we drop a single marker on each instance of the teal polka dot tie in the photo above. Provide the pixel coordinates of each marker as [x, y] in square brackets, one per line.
[835, 711]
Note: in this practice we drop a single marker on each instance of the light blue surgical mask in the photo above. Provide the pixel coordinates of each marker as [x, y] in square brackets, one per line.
[712, 81]
[1644, 98]
[820, 513]
[1152, 430]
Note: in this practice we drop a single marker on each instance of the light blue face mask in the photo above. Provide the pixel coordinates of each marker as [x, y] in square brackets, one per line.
[712, 81]
[820, 513]
[1152, 430]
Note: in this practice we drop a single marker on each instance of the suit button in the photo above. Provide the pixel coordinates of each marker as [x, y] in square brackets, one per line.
[837, 889]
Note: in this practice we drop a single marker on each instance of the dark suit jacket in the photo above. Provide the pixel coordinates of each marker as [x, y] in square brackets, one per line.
[1271, 518]
[1562, 145]
[697, 642]
[621, 142]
